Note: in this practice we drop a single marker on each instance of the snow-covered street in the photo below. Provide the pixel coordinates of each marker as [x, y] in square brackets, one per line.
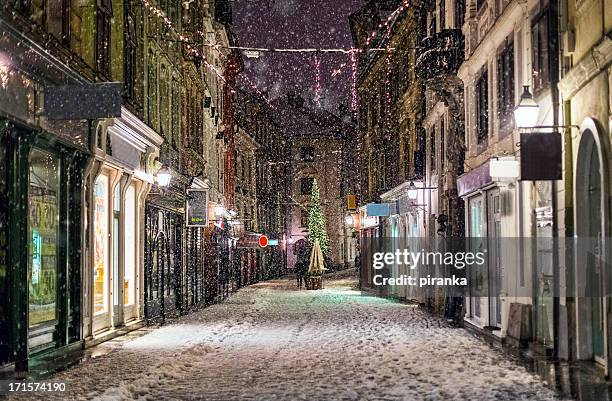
[274, 342]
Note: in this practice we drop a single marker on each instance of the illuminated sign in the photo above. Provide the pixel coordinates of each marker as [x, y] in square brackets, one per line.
[197, 208]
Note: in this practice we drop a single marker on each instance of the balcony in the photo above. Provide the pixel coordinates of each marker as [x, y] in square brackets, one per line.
[441, 54]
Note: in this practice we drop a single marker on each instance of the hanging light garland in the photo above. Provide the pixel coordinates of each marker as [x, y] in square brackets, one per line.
[354, 96]
[194, 52]
[352, 52]
[317, 62]
[257, 90]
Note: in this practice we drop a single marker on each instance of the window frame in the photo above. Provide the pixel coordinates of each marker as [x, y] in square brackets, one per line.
[481, 88]
[505, 84]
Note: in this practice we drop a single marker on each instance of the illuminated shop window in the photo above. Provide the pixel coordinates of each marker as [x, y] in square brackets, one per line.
[43, 204]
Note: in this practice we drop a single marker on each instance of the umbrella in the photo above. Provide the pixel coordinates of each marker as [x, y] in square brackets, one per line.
[316, 259]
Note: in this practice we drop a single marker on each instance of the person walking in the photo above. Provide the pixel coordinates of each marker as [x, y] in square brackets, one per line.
[301, 266]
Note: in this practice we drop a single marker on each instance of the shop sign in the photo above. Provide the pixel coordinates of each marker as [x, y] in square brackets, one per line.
[541, 156]
[351, 202]
[83, 102]
[197, 208]
[474, 179]
[377, 209]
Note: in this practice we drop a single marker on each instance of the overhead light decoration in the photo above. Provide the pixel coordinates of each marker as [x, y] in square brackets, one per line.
[252, 53]
[527, 111]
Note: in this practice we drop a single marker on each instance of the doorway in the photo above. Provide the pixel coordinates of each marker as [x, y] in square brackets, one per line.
[495, 266]
[592, 228]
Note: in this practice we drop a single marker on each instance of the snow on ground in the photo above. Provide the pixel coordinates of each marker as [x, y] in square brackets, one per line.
[273, 342]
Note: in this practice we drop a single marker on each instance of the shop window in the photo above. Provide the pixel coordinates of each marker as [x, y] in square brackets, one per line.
[432, 150]
[43, 224]
[539, 46]
[104, 15]
[116, 237]
[306, 185]
[129, 263]
[505, 85]
[482, 108]
[101, 251]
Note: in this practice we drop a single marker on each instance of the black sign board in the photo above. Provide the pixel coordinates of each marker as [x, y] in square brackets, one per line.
[541, 156]
[83, 102]
[197, 207]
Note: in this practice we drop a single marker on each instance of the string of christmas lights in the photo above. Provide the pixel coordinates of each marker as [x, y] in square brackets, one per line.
[257, 90]
[354, 95]
[352, 52]
[317, 62]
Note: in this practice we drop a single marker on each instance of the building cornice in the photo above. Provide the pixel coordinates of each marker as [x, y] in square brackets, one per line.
[597, 60]
[134, 131]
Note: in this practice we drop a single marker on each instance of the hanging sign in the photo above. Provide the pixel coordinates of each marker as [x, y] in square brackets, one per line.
[263, 241]
[377, 209]
[351, 202]
[541, 156]
[197, 208]
[83, 102]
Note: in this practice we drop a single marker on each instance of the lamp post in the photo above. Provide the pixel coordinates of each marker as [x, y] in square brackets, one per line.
[349, 221]
[527, 111]
[413, 190]
[164, 177]
[219, 210]
[526, 117]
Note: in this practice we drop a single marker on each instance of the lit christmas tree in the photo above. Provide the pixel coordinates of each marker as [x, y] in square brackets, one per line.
[316, 221]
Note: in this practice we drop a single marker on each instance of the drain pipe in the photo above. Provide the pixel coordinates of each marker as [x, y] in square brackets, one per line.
[553, 25]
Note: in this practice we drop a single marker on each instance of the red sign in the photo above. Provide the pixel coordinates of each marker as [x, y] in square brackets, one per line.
[263, 241]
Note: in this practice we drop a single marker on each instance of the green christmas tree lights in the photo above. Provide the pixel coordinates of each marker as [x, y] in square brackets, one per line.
[316, 221]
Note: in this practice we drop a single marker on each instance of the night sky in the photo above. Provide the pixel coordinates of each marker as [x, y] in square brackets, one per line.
[297, 24]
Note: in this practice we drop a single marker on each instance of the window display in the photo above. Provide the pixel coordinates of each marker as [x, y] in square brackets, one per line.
[101, 245]
[129, 282]
[43, 203]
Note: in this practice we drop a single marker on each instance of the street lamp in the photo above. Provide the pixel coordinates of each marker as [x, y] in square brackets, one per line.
[219, 210]
[349, 220]
[164, 177]
[413, 192]
[526, 112]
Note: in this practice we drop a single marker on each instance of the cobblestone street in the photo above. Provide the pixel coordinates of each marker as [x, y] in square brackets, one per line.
[273, 342]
